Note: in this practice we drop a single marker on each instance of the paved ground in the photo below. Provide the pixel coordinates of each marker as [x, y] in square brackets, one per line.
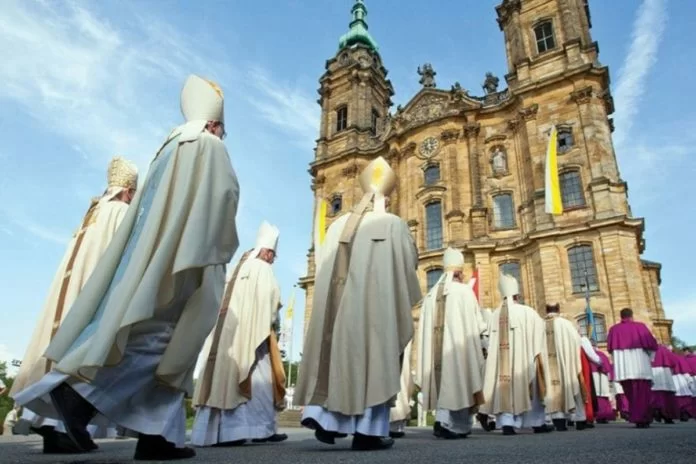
[614, 443]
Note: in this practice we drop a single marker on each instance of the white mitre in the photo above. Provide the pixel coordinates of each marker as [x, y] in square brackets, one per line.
[201, 101]
[267, 237]
[377, 181]
[508, 286]
[453, 261]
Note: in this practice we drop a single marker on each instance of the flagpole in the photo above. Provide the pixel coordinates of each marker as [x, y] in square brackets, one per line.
[588, 308]
[291, 322]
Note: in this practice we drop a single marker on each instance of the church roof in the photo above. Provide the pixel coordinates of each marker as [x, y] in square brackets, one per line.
[358, 33]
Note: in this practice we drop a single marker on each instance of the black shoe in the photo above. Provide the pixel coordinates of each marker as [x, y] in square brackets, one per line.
[76, 413]
[58, 442]
[571, 423]
[275, 438]
[156, 448]
[441, 432]
[396, 434]
[320, 433]
[491, 426]
[543, 429]
[370, 443]
[560, 425]
[507, 430]
[669, 421]
[602, 421]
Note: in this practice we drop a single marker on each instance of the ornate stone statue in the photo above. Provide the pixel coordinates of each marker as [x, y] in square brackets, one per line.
[490, 85]
[427, 75]
[457, 92]
[499, 161]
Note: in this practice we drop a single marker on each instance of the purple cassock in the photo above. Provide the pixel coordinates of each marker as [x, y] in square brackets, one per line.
[683, 372]
[631, 344]
[664, 401]
[604, 412]
[691, 359]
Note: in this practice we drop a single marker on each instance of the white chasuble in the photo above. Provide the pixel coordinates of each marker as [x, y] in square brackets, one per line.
[86, 247]
[351, 358]
[450, 360]
[515, 373]
[136, 329]
[565, 368]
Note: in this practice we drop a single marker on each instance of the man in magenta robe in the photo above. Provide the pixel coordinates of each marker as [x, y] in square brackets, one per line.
[664, 401]
[602, 375]
[684, 383]
[691, 360]
[633, 347]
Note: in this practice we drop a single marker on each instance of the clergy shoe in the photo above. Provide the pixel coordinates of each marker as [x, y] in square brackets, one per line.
[53, 439]
[507, 430]
[669, 421]
[602, 421]
[483, 420]
[76, 413]
[57, 442]
[543, 429]
[582, 425]
[491, 426]
[370, 443]
[560, 425]
[441, 432]
[320, 433]
[396, 434]
[275, 438]
[156, 448]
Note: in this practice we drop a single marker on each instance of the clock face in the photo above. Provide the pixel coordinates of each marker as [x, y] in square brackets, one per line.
[429, 146]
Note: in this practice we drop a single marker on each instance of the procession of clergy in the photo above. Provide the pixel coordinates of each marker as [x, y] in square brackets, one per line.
[143, 290]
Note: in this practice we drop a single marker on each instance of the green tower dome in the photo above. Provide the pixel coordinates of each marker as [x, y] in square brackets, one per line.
[358, 33]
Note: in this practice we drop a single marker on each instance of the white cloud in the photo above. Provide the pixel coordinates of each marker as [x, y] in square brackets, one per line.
[97, 86]
[285, 106]
[647, 32]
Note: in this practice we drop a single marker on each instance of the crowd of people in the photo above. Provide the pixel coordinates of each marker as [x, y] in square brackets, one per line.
[143, 294]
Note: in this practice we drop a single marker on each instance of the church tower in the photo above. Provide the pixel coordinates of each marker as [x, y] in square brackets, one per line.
[545, 37]
[355, 97]
[355, 94]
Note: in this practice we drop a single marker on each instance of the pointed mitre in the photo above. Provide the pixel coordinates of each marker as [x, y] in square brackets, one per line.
[122, 173]
[453, 260]
[378, 177]
[267, 237]
[202, 100]
[508, 286]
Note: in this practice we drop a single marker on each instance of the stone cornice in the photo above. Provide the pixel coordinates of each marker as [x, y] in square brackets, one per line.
[434, 191]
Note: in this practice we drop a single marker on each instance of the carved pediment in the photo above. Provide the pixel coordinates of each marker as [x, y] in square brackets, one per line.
[429, 105]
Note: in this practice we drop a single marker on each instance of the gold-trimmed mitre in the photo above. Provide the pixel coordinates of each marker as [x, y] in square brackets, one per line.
[508, 286]
[453, 260]
[202, 100]
[122, 173]
[378, 177]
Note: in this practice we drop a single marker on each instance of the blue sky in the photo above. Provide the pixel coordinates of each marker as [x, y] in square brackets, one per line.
[83, 81]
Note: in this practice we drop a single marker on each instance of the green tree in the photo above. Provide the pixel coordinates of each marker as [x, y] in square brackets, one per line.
[6, 403]
[680, 345]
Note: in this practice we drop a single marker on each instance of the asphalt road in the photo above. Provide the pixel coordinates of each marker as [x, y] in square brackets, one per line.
[615, 444]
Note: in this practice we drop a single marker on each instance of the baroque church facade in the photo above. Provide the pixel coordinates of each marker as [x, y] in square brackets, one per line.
[470, 167]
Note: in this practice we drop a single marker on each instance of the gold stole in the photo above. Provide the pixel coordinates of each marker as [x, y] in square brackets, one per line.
[278, 371]
[439, 332]
[339, 273]
[207, 377]
[60, 306]
[557, 401]
[504, 367]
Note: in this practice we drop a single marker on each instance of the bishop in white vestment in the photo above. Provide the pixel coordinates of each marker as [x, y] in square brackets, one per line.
[565, 395]
[366, 285]
[98, 227]
[236, 396]
[127, 349]
[516, 350]
[450, 361]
